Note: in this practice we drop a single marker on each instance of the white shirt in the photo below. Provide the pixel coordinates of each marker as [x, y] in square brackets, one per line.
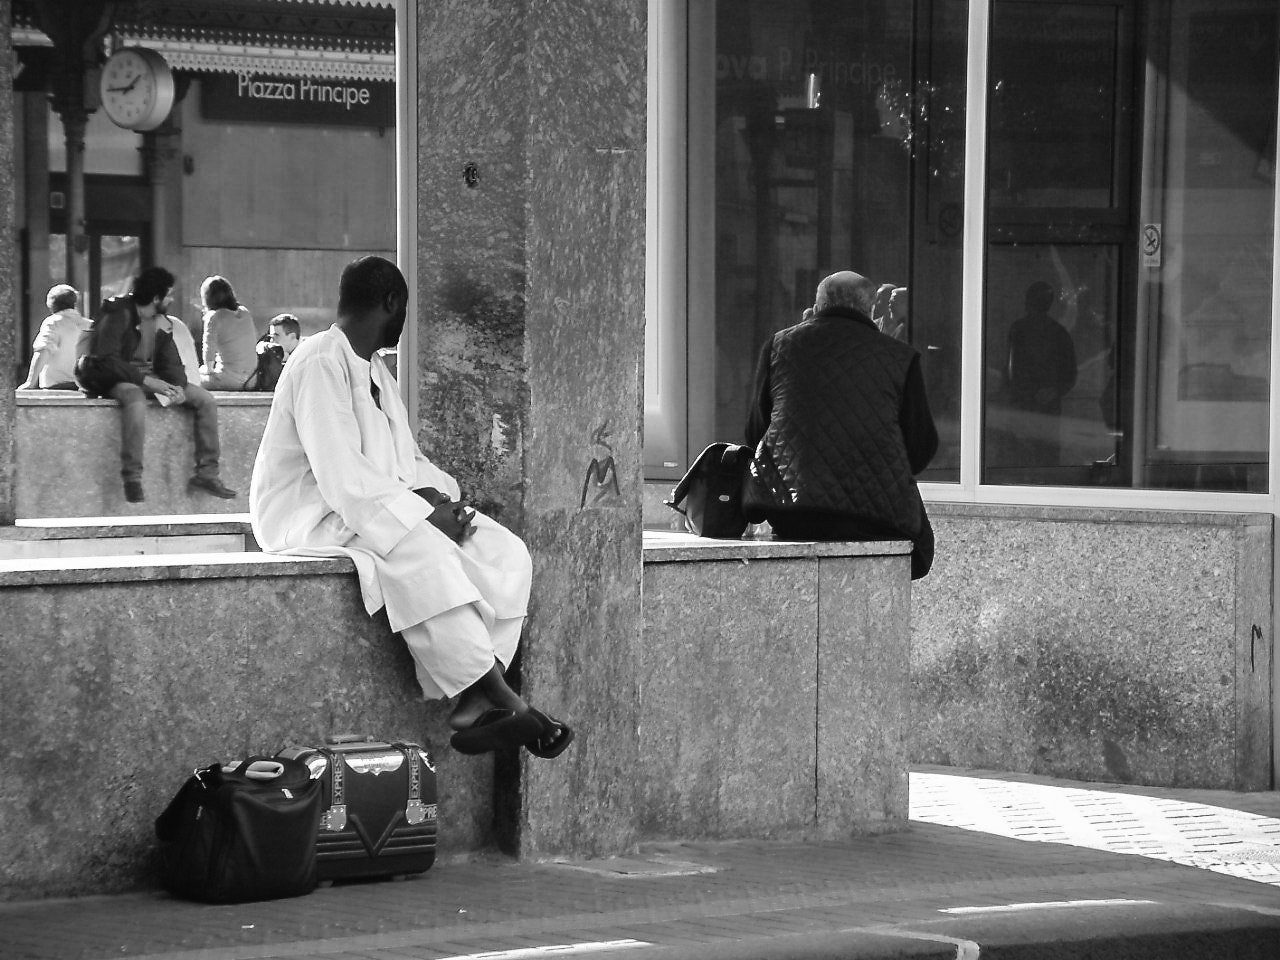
[335, 474]
[58, 338]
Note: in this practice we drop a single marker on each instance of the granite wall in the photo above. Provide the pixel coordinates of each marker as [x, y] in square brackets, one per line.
[531, 180]
[9, 376]
[141, 673]
[68, 456]
[1126, 646]
[773, 689]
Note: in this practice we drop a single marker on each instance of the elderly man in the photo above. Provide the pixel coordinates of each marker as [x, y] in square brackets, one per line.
[840, 426]
[339, 472]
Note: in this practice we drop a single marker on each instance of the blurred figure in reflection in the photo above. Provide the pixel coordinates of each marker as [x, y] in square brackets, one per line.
[230, 338]
[895, 324]
[58, 343]
[1040, 369]
[880, 307]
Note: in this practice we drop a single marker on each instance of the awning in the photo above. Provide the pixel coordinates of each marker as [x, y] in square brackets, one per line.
[335, 39]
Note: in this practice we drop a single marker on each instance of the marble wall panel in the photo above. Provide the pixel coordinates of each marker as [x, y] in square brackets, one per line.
[69, 459]
[680, 695]
[863, 675]
[728, 699]
[113, 692]
[767, 702]
[1096, 647]
[589, 84]
[9, 375]
[532, 288]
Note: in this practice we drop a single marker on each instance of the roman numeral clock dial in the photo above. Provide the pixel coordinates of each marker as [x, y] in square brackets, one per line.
[136, 88]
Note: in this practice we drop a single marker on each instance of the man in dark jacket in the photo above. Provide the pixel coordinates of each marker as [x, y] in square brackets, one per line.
[840, 426]
[129, 359]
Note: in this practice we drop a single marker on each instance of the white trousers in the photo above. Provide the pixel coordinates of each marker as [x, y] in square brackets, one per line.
[454, 649]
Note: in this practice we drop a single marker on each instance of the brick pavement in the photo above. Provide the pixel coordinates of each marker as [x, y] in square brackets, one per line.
[934, 890]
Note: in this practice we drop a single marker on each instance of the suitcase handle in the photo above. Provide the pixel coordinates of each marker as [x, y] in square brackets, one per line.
[340, 738]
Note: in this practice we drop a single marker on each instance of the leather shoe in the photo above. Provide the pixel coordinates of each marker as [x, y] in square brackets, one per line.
[211, 485]
[133, 491]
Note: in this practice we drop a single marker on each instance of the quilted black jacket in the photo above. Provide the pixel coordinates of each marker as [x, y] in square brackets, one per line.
[842, 424]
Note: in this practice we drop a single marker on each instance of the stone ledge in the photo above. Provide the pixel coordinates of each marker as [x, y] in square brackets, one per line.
[1109, 515]
[182, 566]
[81, 528]
[669, 546]
[73, 398]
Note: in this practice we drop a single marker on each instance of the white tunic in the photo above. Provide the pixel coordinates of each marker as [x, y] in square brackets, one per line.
[335, 475]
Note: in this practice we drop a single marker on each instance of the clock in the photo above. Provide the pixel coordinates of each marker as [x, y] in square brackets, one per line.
[136, 88]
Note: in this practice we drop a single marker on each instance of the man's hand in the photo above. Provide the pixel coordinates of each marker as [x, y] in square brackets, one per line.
[453, 520]
[432, 495]
[160, 388]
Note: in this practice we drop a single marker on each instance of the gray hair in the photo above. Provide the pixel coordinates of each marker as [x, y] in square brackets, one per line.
[62, 296]
[846, 289]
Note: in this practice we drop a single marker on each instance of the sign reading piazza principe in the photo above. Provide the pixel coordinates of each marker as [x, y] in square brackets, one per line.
[314, 100]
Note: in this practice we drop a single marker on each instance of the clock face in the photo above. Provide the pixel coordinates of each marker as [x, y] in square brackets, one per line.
[136, 88]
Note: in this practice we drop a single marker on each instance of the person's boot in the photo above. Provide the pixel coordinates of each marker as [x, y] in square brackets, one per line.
[211, 485]
[133, 491]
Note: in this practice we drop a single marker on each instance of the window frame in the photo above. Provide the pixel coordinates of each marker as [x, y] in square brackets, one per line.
[688, 237]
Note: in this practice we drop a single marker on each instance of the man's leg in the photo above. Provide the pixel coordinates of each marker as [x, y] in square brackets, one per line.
[133, 431]
[456, 655]
[205, 409]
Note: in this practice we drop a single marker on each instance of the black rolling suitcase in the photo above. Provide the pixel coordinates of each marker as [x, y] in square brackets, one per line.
[379, 803]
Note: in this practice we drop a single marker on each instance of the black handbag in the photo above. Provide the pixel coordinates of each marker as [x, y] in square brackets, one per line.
[242, 832]
[709, 495]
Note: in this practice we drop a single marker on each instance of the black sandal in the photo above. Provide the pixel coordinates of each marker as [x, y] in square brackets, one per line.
[497, 728]
[553, 739]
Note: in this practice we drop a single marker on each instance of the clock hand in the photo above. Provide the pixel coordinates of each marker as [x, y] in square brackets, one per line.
[132, 83]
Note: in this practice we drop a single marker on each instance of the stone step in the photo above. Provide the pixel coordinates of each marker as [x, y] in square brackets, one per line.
[55, 538]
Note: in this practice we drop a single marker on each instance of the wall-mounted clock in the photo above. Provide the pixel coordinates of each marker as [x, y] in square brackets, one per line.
[136, 88]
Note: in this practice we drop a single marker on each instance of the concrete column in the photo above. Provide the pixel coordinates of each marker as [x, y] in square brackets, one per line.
[531, 187]
[9, 270]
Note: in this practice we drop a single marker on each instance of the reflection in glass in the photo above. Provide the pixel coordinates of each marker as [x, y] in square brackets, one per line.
[839, 145]
[1050, 364]
[1164, 291]
[1209, 290]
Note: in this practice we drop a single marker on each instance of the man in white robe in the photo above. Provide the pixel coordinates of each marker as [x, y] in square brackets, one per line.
[338, 472]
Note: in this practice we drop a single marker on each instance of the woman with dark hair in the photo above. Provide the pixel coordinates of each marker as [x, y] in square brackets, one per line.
[230, 338]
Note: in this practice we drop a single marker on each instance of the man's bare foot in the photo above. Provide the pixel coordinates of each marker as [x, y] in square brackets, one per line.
[488, 692]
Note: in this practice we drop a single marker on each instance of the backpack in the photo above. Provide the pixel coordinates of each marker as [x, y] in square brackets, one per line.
[709, 495]
[270, 366]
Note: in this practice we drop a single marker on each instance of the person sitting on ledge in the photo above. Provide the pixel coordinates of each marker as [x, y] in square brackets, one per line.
[285, 332]
[57, 345]
[338, 472]
[130, 358]
[840, 425]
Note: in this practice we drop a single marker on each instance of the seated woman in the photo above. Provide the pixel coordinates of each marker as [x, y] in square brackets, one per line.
[230, 338]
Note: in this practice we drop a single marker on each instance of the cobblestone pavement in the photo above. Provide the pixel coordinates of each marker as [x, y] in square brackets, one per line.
[1185, 826]
[938, 889]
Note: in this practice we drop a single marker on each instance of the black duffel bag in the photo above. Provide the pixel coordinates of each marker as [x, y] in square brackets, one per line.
[241, 832]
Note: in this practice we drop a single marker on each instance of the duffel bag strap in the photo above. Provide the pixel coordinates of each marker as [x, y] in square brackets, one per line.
[415, 810]
[335, 818]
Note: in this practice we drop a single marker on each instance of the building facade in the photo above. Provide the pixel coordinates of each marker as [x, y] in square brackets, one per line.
[1073, 202]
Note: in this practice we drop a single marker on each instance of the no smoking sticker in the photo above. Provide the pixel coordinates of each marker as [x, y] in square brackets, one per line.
[1152, 242]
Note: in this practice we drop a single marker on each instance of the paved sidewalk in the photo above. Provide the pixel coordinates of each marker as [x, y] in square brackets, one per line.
[941, 889]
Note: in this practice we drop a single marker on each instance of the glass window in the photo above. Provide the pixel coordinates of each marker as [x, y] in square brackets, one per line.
[838, 145]
[1130, 198]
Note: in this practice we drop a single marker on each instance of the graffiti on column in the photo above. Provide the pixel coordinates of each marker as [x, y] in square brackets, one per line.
[600, 486]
